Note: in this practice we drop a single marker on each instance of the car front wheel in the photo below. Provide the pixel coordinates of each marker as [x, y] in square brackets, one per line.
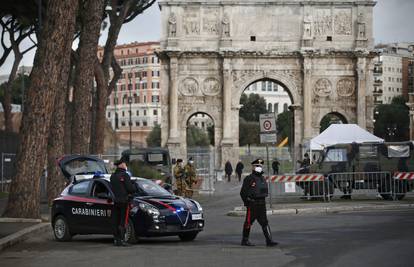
[130, 235]
[61, 229]
[188, 236]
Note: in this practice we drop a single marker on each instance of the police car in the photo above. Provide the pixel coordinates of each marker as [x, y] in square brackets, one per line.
[85, 206]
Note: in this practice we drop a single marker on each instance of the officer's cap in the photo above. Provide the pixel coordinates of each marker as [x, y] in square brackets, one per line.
[123, 159]
[258, 162]
[179, 160]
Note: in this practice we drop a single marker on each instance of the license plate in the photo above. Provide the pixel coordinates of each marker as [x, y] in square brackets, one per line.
[196, 217]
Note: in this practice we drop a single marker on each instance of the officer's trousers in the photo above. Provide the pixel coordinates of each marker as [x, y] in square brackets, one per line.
[255, 211]
[120, 218]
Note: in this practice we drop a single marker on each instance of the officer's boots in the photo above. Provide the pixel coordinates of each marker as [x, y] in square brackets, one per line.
[269, 241]
[245, 241]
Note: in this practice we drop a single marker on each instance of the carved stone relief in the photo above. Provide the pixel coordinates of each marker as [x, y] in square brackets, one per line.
[361, 26]
[343, 21]
[210, 22]
[191, 23]
[323, 87]
[323, 22]
[189, 87]
[307, 26]
[225, 26]
[172, 25]
[345, 87]
[211, 87]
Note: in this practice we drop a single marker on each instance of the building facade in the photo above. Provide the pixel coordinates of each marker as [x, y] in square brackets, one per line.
[277, 99]
[137, 91]
[320, 51]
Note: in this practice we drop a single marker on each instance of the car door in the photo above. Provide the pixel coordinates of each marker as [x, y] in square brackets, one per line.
[102, 199]
[78, 205]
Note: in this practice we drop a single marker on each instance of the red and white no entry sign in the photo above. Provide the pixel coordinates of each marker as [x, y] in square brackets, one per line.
[267, 125]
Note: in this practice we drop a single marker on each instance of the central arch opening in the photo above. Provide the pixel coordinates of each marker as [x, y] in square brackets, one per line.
[260, 97]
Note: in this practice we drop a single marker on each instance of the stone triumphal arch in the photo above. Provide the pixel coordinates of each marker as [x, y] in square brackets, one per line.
[321, 51]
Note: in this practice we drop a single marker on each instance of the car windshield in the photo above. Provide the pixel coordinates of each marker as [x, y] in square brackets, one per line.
[84, 166]
[149, 188]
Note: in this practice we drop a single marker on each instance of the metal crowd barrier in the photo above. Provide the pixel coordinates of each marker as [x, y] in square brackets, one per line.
[306, 186]
[342, 185]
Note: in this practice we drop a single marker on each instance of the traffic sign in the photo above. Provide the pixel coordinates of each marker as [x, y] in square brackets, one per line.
[267, 123]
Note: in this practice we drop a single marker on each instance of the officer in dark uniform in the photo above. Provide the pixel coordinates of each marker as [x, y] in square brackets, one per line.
[253, 193]
[122, 188]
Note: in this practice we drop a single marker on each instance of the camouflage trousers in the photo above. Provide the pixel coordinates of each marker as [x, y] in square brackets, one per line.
[183, 189]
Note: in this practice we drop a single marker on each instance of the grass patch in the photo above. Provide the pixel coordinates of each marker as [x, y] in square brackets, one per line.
[4, 194]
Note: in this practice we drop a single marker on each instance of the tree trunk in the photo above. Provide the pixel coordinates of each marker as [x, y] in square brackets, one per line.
[7, 99]
[55, 45]
[101, 100]
[56, 146]
[88, 45]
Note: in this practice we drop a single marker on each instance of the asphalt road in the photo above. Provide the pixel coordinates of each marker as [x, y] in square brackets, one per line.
[383, 238]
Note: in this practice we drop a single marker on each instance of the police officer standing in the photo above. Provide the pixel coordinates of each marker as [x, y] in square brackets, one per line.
[122, 188]
[253, 193]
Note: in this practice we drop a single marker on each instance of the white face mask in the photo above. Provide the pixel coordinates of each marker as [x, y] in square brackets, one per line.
[258, 169]
[191, 162]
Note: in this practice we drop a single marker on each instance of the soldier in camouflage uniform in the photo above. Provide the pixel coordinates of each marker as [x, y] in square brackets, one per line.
[179, 175]
[190, 176]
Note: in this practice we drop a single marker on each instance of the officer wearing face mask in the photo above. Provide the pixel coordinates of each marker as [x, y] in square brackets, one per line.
[253, 193]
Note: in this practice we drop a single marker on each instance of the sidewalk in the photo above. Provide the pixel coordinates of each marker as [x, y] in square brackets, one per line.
[314, 207]
[16, 230]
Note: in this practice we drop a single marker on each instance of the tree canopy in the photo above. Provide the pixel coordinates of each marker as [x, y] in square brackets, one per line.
[252, 106]
[154, 138]
[392, 120]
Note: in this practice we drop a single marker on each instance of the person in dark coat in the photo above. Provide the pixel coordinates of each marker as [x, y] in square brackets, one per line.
[122, 188]
[275, 166]
[228, 169]
[239, 169]
[253, 193]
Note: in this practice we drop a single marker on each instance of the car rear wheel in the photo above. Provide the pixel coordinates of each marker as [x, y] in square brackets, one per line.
[61, 229]
[188, 236]
[130, 235]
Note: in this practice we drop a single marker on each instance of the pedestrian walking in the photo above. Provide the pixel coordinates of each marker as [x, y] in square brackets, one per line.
[123, 189]
[253, 193]
[275, 166]
[239, 169]
[228, 169]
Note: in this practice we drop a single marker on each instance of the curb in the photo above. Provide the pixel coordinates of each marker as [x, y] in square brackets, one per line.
[239, 212]
[22, 235]
[19, 220]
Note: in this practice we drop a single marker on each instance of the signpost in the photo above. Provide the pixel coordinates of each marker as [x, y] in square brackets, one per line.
[268, 135]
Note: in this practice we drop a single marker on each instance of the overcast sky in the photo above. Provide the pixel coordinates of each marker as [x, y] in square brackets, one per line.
[393, 22]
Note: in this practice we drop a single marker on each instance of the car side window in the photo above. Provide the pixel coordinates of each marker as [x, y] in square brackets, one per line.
[98, 188]
[80, 189]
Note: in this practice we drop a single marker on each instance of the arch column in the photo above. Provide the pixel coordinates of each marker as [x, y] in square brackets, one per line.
[361, 68]
[307, 98]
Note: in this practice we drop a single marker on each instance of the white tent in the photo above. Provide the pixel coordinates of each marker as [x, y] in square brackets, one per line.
[342, 134]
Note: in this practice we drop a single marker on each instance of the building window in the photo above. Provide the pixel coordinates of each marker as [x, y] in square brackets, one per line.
[145, 99]
[123, 123]
[269, 107]
[263, 86]
[109, 114]
[144, 74]
[155, 112]
[136, 123]
[144, 123]
[137, 112]
[276, 107]
[269, 86]
[145, 113]
[155, 99]
[115, 101]
[285, 107]
[123, 113]
[254, 87]
[203, 124]
[144, 85]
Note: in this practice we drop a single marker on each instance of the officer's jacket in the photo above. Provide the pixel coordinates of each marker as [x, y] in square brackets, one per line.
[254, 187]
[121, 185]
[178, 172]
[190, 171]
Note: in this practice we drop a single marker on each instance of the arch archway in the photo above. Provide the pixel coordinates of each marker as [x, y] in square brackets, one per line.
[332, 118]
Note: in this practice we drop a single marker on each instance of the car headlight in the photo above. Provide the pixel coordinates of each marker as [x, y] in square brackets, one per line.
[200, 209]
[151, 210]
